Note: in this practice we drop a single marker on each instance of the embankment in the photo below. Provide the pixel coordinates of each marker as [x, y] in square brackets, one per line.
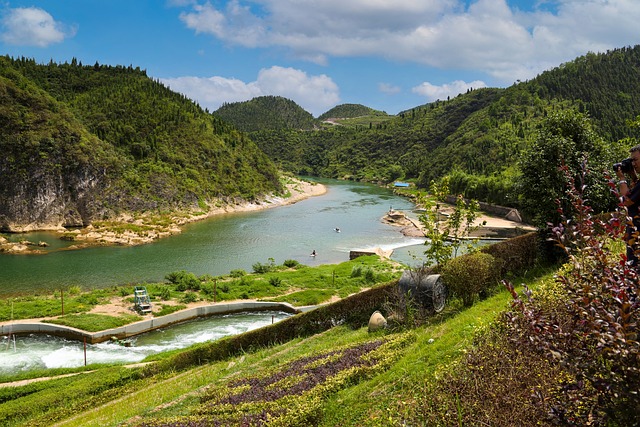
[137, 328]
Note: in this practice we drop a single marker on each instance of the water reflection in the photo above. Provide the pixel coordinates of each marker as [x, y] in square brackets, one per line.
[227, 242]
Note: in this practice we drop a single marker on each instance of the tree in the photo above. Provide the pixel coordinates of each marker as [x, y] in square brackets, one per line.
[566, 139]
[445, 236]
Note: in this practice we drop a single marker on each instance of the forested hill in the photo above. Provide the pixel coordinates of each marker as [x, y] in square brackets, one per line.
[85, 142]
[266, 112]
[350, 111]
[475, 139]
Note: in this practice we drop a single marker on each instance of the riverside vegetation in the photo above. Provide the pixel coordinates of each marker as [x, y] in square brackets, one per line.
[291, 282]
[483, 363]
[571, 329]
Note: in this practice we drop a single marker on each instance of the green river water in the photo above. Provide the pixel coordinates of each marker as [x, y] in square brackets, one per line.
[223, 243]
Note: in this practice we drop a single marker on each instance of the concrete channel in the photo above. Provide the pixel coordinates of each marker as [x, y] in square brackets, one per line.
[25, 328]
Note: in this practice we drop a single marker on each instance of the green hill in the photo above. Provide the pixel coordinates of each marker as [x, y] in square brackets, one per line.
[350, 111]
[82, 143]
[266, 112]
[477, 138]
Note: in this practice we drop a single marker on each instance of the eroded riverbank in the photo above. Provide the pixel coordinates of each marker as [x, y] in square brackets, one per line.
[132, 230]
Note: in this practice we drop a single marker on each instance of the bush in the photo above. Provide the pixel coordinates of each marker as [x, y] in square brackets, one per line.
[517, 254]
[260, 268]
[165, 293]
[356, 271]
[291, 263]
[369, 275]
[184, 281]
[275, 281]
[592, 330]
[189, 297]
[237, 274]
[468, 275]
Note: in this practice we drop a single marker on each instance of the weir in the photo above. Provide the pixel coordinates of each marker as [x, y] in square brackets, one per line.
[143, 326]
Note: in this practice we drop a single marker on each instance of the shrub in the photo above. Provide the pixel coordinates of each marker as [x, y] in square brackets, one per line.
[260, 268]
[275, 281]
[356, 271]
[369, 275]
[74, 290]
[468, 275]
[237, 274]
[189, 297]
[184, 281]
[291, 263]
[517, 254]
[592, 330]
[165, 293]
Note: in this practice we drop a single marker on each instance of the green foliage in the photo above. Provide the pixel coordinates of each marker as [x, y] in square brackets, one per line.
[143, 146]
[266, 112]
[168, 309]
[564, 354]
[565, 141]
[518, 254]
[189, 297]
[592, 329]
[260, 268]
[292, 394]
[469, 275]
[344, 111]
[306, 297]
[184, 280]
[291, 263]
[91, 322]
[237, 273]
[356, 271]
[34, 306]
[275, 281]
[44, 404]
[446, 235]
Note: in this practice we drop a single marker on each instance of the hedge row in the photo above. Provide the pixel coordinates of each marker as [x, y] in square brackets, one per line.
[517, 254]
[353, 311]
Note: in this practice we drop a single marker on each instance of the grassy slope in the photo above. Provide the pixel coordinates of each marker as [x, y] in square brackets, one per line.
[381, 400]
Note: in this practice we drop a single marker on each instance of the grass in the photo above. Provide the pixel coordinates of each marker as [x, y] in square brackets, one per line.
[301, 285]
[111, 396]
[92, 322]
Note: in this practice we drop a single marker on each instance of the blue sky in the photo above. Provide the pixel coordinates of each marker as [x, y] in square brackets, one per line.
[390, 55]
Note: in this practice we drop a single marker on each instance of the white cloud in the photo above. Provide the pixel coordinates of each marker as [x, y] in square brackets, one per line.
[315, 94]
[488, 35]
[433, 92]
[32, 26]
[389, 89]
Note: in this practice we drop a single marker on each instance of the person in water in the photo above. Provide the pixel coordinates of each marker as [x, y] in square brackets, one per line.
[313, 253]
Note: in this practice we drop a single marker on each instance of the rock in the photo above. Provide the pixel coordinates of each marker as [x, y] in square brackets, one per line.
[377, 322]
[43, 244]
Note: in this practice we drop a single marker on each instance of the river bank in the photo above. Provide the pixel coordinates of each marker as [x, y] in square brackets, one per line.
[130, 230]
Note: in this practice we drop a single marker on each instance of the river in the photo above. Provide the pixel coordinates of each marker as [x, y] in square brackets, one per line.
[226, 242]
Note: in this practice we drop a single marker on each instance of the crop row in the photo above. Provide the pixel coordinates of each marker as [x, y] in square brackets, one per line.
[290, 394]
